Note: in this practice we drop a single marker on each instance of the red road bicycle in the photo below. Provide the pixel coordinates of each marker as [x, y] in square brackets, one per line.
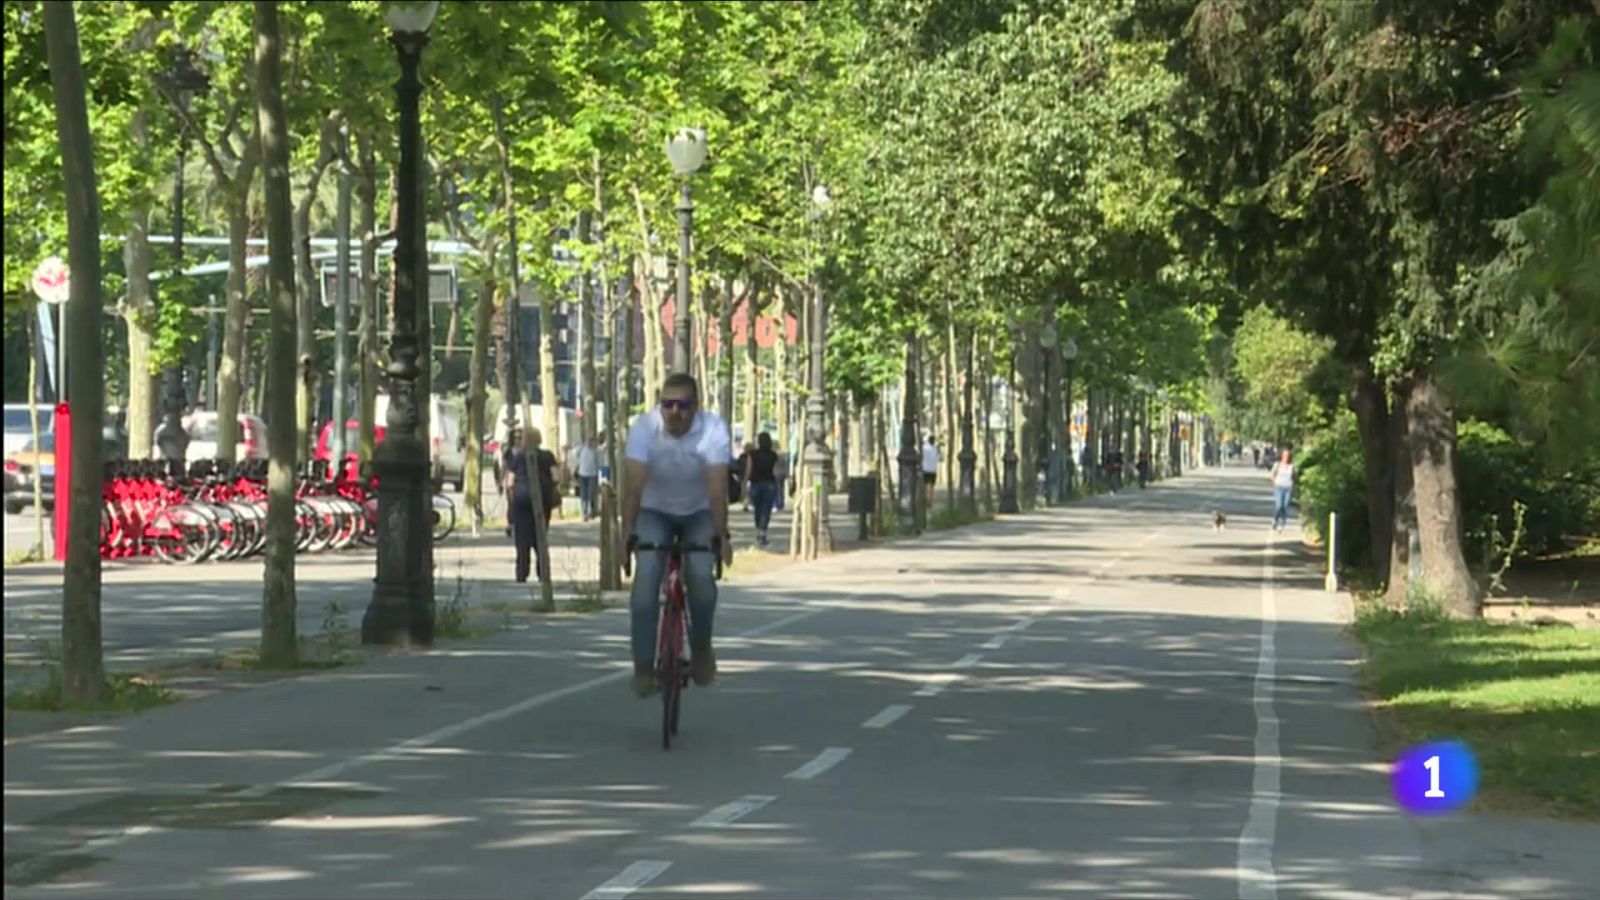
[672, 662]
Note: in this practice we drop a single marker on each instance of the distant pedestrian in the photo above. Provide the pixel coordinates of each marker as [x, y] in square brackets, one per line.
[741, 466]
[528, 462]
[930, 468]
[780, 473]
[1144, 469]
[1282, 478]
[1255, 457]
[588, 467]
[761, 483]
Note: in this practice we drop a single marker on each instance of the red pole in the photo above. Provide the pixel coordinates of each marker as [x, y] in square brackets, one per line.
[63, 488]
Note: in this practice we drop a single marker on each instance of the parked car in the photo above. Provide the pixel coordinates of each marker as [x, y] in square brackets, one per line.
[26, 464]
[202, 428]
[18, 431]
[352, 442]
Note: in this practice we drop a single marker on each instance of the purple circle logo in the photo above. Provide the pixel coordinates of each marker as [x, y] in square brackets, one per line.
[1434, 778]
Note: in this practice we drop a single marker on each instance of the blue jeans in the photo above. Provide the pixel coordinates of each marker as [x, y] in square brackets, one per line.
[763, 494]
[655, 527]
[587, 484]
[1280, 505]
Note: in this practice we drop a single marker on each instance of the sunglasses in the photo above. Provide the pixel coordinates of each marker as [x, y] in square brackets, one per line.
[675, 405]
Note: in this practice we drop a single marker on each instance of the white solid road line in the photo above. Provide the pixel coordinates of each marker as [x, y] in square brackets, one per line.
[1257, 879]
[825, 760]
[728, 813]
[889, 716]
[998, 641]
[635, 876]
[1023, 623]
[968, 661]
[935, 688]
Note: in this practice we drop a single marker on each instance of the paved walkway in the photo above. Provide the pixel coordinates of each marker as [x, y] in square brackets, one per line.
[1109, 699]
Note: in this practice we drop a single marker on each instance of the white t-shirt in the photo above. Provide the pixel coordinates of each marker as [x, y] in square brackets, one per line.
[1283, 475]
[677, 466]
[930, 459]
[588, 461]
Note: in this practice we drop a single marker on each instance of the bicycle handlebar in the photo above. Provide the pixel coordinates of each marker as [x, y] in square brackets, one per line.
[634, 546]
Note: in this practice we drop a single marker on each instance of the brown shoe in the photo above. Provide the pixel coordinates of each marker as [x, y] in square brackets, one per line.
[644, 681]
[703, 665]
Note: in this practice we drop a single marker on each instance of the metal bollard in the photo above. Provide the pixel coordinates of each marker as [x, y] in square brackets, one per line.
[1332, 581]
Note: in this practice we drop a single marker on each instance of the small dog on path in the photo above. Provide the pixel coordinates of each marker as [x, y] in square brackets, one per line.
[1219, 522]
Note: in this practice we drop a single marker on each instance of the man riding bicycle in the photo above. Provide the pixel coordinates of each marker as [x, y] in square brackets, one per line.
[677, 459]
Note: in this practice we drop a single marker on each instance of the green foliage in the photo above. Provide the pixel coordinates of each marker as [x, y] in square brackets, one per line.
[1496, 474]
[1277, 364]
[1332, 479]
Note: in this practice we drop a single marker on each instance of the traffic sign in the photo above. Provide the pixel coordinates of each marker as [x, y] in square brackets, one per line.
[52, 281]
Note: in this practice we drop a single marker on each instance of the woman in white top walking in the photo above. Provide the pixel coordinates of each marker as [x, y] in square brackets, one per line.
[1282, 488]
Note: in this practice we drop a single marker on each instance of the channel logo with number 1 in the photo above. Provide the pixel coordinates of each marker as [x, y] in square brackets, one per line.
[1434, 778]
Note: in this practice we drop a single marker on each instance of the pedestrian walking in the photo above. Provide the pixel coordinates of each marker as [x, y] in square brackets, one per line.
[1282, 478]
[761, 483]
[780, 472]
[741, 466]
[930, 468]
[588, 466]
[1144, 469]
[527, 462]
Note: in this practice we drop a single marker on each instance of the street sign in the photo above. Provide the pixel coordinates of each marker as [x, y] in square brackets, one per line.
[52, 281]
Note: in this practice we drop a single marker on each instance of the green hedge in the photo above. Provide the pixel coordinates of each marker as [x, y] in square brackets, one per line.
[1495, 472]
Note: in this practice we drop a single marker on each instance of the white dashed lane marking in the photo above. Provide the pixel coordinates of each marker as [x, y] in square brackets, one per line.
[635, 876]
[888, 716]
[825, 760]
[728, 813]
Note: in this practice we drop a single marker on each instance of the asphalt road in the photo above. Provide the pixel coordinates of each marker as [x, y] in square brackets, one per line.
[1106, 700]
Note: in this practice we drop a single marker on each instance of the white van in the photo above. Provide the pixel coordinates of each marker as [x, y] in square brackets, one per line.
[447, 443]
[571, 424]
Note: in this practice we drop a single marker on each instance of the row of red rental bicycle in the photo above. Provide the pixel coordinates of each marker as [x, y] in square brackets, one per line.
[217, 510]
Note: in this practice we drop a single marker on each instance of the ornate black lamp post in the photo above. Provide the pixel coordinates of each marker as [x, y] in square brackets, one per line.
[1047, 426]
[687, 152]
[402, 593]
[817, 457]
[910, 458]
[181, 81]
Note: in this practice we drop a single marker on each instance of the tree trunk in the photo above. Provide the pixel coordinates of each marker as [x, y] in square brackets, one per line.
[279, 644]
[983, 441]
[780, 372]
[477, 393]
[549, 394]
[1431, 425]
[1403, 524]
[82, 662]
[752, 373]
[367, 327]
[139, 312]
[1027, 423]
[952, 418]
[726, 361]
[586, 301]
[650, 322]
[308, 288]
[610, 566]
[1367, 401]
